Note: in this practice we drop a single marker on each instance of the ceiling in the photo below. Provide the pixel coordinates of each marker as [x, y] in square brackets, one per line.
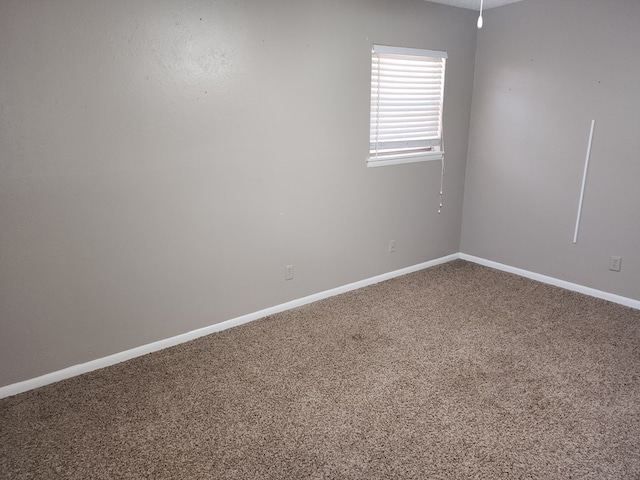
[475, 4]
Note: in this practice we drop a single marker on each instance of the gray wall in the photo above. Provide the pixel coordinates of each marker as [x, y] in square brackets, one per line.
[162, 161]
[544, 70]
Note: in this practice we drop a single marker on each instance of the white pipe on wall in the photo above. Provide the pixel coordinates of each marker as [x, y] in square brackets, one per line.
[584, 182]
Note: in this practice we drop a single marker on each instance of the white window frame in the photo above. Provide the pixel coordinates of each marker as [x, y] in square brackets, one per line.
[407, 98]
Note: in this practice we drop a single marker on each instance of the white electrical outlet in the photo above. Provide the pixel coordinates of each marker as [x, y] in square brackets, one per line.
[615, 264]
[392, 246]
[288, 272]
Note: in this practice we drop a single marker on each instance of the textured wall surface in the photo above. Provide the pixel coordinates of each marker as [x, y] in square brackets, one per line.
[162, 161]
[544, 70]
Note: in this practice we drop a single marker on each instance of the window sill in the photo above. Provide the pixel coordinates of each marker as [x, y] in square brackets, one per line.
[388, 161]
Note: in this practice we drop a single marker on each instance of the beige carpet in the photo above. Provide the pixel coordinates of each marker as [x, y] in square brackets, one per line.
[455, 372]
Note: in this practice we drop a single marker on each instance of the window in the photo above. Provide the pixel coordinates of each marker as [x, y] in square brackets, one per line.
[407, 93]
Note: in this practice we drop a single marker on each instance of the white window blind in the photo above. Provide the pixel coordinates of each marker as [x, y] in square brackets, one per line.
[407, 93]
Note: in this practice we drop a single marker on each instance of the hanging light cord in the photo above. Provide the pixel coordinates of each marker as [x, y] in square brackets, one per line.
[480, 21]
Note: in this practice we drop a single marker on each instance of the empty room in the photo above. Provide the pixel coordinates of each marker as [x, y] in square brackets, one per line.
[349, 239]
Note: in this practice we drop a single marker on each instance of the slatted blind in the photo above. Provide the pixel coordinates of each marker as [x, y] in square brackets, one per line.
[407, 93]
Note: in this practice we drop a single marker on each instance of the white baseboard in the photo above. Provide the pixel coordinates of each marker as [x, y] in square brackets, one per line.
[92, 365]
[627, 302]
[103, 362]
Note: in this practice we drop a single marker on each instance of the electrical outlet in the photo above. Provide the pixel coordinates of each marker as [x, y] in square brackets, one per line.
[615, 263]
[288, 272]
[392, 246]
